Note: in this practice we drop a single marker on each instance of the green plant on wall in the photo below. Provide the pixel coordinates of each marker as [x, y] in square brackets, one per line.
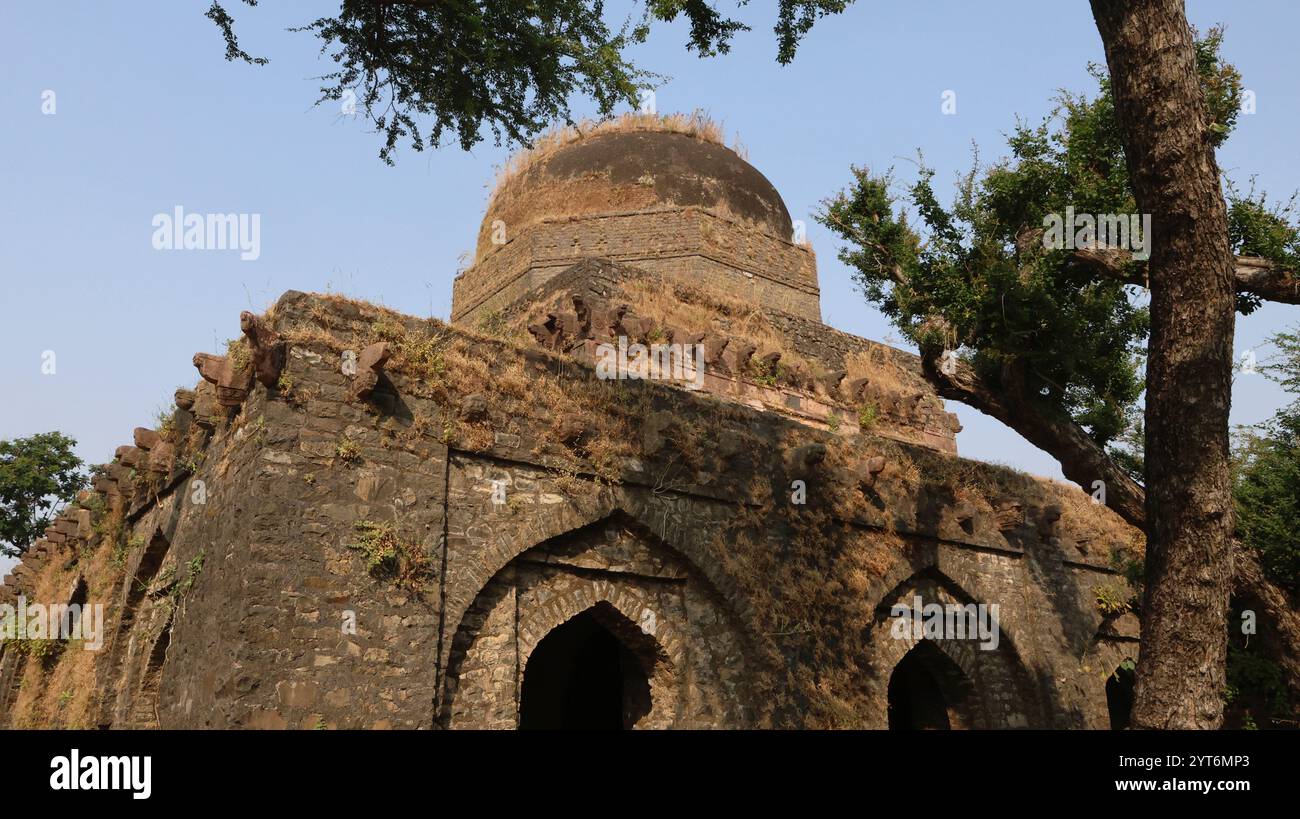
[378, 545]
[1110, 600]
[868, 415]
[388, 556]
[193, 568]
[348, 450]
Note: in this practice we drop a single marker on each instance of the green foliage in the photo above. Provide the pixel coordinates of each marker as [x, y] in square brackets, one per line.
[1221, 83]
[38, 475]
[193, 569]
[868, 415]
[378, 544]
[193, 463]
[1129, 449]
[123, 547]
[1284, 366]
[1258, 679]
[165, 421]
[419, 353]
[1267, 485]
[1130, 566]
[765, 373]
[389, 557]
[347, 450]
[1062, 335]
[42, 650]
[1111, 600]
[95, 504]
[493, 324]
[239, 354]
[510, 66]
[226, 23]
[1267, 495]
[1258, 228]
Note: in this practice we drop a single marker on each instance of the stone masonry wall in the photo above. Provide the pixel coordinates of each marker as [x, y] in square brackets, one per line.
[597, 301]
[386, 545]
[688, 243]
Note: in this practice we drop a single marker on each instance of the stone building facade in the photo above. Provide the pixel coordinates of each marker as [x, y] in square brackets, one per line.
[360, 519]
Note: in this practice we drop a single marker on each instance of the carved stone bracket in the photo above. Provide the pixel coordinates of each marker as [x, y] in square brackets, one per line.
[370, 365]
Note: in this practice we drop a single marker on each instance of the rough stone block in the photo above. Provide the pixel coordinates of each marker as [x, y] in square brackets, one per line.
[268, 349]
[146, 438]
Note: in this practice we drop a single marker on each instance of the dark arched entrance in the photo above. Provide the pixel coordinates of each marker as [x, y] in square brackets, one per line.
[928, 692]
[1119, 696]
[581, 676]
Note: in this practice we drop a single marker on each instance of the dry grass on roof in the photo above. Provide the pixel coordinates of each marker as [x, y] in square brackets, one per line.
[696, 307]
[697, 124]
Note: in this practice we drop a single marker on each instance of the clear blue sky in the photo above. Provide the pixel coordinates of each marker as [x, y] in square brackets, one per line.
[150, 116]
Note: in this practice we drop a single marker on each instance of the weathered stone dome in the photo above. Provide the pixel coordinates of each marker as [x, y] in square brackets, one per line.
[633, 170]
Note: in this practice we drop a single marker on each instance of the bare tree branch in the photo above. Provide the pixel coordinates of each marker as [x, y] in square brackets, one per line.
[1252, 275]
[1082, 460]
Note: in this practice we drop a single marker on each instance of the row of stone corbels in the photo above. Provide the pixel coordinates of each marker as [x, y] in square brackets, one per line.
[73, 524]
[600, 321]
[226, 383]
[149, 453]
[223, 388]
[229, 381]
[76, 524]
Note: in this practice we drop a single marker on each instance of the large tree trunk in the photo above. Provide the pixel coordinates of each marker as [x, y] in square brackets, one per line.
[1162, 116]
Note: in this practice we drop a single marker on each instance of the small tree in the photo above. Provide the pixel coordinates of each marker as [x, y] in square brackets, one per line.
[1267, 486]
[38, 476]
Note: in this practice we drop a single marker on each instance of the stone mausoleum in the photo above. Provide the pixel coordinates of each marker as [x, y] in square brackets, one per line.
[362, 519]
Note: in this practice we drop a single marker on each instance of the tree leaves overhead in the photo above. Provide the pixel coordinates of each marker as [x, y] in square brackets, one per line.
[226, 23]
[795, 18]
[508, 64]
[508, 67]
[711, 33]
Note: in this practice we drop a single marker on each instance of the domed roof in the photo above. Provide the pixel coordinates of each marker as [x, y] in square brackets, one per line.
[617, 171]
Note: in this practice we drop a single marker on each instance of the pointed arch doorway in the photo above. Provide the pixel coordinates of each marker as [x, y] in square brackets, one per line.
[929, 692]
[583, 676]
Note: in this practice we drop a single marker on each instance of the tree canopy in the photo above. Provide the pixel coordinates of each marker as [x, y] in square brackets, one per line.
[507, 66]
[38, 475]
[1267, 486]
[1058, 331]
